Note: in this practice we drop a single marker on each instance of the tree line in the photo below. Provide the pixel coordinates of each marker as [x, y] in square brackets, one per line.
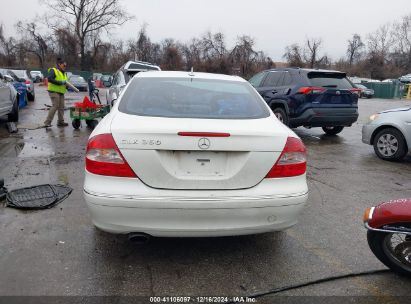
[382, 54]
[77, 30]
[74, 30]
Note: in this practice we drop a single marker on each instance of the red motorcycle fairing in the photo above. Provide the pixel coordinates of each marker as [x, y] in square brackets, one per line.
[394, 211]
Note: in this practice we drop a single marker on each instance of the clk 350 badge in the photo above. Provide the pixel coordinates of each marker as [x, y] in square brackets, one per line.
[143, 142]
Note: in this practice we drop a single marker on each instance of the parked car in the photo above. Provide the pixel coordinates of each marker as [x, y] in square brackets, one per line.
[390, 133]
[37, 76]
[310, 98]
[9, 103]
[405, 78]
[18, 84]
[23, 74]
[124, 75]
[96, 76]
[365, 92]
[79, 82]
[106, 80]
[193, 154]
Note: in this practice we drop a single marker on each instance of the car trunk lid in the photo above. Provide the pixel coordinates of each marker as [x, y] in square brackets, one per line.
[220, 154]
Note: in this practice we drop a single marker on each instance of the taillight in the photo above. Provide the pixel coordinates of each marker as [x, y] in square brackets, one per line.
[292, 161]
[309, 90]
[104, 158]
[356, 91]
[27, 82]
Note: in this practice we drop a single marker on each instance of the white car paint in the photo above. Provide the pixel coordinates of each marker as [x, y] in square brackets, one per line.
[174, 195]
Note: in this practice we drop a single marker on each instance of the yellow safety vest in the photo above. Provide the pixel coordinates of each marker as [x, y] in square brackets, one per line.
[60, 76]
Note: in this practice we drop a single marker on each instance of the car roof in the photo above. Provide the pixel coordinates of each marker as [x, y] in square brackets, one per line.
[306, 70]
[182, 74]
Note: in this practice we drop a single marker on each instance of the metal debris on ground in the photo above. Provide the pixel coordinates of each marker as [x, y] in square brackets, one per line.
[37, 197]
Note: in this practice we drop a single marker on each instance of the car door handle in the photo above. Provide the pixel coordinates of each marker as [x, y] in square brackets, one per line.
[274, 91]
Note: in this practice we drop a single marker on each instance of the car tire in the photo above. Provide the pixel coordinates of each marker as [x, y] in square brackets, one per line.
[92, 123]
[13, 116]
[389, 144]
[31, 97]
[281, 115]
[332, 130]
[76, 123]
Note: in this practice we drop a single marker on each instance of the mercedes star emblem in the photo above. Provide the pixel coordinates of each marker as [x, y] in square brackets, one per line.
[204, 143]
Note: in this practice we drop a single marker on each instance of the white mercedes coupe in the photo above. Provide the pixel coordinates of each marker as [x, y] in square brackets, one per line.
[185, 154]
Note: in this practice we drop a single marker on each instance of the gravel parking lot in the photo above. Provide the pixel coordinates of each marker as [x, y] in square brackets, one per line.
[58, 252]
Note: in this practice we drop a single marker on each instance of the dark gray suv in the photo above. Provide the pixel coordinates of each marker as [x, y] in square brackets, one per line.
[310, 98]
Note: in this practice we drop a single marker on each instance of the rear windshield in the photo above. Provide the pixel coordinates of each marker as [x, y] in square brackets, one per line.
[192, 98]
[329, 80]
[20, 73]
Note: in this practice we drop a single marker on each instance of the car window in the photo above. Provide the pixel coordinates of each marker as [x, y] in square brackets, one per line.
[256, 79]
[20, 73]
[329, 80]
[287, 79]
[272, 79]
[192, 98]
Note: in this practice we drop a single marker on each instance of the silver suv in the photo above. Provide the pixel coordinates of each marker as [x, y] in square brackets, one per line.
[120, 79]
[9, 103]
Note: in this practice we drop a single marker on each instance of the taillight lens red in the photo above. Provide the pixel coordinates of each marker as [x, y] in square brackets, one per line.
[356, 91]
[104, 158]
[27, 82]
[309, 90]
[292, 161]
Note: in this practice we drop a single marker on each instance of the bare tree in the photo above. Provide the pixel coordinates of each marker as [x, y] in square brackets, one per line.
[9, 48]
[85, 17]
[355, 45]
[65, 45]
[172, 58]
[379, 46]
[244, 55]
[311, 53]
[380, 41]
[33, 41]
[294, 55]
[401, 34]
[192, 52]
[213, 46]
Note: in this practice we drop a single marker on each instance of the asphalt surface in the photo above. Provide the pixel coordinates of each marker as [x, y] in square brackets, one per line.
[58, 252]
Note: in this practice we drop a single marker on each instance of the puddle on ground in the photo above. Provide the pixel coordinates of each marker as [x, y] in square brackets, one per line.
[24, 150]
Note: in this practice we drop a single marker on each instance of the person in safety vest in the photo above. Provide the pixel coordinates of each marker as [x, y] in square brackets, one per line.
[57, 79]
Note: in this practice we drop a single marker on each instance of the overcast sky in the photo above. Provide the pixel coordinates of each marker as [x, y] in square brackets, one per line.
[274, 24]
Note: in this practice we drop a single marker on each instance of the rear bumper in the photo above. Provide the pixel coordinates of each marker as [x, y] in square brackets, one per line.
[326, 117]
[209, 213]
[194, 222]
